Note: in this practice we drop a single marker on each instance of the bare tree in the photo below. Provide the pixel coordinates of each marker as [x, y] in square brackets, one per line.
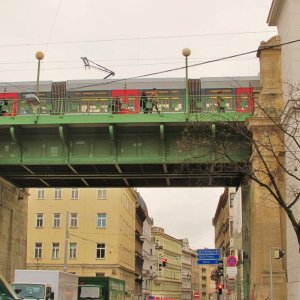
[275, 143]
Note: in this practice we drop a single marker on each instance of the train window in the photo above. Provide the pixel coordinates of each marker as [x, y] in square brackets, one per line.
[210, 98]
[89, 101]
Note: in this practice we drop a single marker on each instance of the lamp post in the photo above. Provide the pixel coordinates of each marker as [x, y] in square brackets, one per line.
[186, 52]
[278, 256]
[39, 56]
[33, 99]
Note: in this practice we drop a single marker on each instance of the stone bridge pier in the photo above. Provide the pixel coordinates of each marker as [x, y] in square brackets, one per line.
[266, 221]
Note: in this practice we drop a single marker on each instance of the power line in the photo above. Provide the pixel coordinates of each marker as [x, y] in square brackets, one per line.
[137, 38]
[190, 66]
[52, 27]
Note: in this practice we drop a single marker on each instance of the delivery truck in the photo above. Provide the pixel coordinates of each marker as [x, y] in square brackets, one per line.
[6, 291]
[108, 288]
[45, 285]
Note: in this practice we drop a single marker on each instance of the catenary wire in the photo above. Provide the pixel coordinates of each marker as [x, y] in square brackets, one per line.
[137, 38]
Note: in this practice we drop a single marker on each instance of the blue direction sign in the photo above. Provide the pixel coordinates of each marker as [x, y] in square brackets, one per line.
[214, 256]
[208, 256]
[208, 251]
[207, 262]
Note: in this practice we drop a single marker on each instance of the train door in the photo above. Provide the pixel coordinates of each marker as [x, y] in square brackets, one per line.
[125, 101]
[244, 99]
[8, 104]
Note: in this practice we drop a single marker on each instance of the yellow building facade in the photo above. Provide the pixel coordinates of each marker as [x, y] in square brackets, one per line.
[90, 232]
[167, 281]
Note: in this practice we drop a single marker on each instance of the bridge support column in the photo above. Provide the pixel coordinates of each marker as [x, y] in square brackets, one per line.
[13, 229]
[266, 218]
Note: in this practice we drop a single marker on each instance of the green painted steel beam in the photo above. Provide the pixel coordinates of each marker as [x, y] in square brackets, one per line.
[123, 119]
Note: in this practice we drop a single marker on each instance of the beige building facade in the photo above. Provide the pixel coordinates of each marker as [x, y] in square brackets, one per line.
[285, 15]
[89, 231]
[13, 221]
[167, 281]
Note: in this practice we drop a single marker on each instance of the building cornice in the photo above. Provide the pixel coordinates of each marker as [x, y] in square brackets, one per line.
[275, 12]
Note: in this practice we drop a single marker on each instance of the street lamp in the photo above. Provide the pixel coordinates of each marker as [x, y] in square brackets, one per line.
[277, 255]
[39, 56]
[186, 52]
[33, 99]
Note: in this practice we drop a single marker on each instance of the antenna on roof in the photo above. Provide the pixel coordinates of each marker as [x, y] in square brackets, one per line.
[90, 64]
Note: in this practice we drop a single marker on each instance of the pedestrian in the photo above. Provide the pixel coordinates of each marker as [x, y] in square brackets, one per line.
[3, 107]
[116, 105]
[146, 103]
[154, 99]
[221, 104]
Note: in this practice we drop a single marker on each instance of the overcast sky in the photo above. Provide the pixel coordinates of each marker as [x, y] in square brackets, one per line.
[133, 38]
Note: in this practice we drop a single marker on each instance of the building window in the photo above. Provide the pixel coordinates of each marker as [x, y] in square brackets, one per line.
[231, 199]
[57, 193]
[75, 194]
[74, 220]
[40, 194]
[231, 228]
[101, 220]
[56, 220]
[55, 250]
[39, 220]
[38, 250]
[100, 250]
[101, 194]
[73, 250]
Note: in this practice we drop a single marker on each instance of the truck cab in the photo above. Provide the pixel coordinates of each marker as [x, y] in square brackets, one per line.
[33, 291]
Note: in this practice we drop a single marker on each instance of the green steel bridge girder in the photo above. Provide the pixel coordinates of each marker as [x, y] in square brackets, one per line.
[82, 153]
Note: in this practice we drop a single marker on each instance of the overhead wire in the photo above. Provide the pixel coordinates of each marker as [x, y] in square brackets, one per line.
[136, 38]
[189, 66]
[52, 27]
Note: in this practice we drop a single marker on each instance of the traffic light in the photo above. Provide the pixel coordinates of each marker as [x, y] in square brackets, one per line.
[219, 288]
[164, 262]
[220, 270]
[160, 267]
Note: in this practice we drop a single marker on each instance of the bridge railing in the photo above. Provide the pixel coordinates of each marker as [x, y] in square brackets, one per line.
[107, 105]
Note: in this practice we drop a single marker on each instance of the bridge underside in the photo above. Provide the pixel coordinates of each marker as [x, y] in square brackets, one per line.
[124, 175]
[95, 151]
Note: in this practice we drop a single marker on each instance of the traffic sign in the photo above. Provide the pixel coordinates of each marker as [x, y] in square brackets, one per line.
[207, 261]
[231, 261]
[208, 251]
[213, 256]
[231, 271]
[208, 256]
[196, 295]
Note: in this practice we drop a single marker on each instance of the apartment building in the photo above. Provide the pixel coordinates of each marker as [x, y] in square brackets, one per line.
[149, 264]
[141, 215]
[90, 232]
[195, 273]
[167, 282]
[186, 270]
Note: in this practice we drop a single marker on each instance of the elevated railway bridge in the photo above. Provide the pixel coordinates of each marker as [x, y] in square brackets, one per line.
[78, 135]
[103, 134]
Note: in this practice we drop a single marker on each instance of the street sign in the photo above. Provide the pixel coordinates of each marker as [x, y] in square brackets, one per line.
[214, 256]
[231, 261]
[208, 256]
[196, 295]
[207, 262]
[231, 271]
[208, 251]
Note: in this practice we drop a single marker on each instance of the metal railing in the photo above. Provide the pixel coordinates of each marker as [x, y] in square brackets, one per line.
[83, 106]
